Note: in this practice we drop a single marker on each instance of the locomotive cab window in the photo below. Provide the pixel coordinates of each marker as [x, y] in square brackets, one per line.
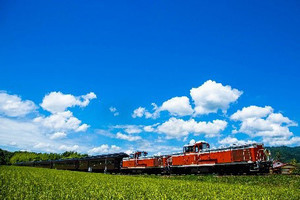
[204, 146]
[188, 149]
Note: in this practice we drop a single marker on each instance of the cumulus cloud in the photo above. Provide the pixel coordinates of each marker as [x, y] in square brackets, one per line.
[24, 134]
[252, 112]
[127, 137]
[114, 111]
[105, 133]
[58, 102]
[68, 148]
[42, 145]
[153, 148]
[58, 135]
[120, 135]
[211, 97]
[278, 141]
[150, 128]
[14, 106]
[208, 98]
[178, 128]
[178, 106]
[130, 129]
[263, 122]
[105, 148]
[62, 121]
[141, 111]
[232, 140]
[41, 133]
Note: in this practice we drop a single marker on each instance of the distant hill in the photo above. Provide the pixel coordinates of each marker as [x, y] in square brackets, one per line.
[284, 153]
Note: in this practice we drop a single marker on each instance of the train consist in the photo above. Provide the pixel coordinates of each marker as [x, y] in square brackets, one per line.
[109, 163]
[195, 158]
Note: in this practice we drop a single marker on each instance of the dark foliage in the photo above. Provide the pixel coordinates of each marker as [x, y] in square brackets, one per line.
[7, 157]
[285, 154]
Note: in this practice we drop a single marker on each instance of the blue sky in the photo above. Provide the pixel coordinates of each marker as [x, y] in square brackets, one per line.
[84, 58]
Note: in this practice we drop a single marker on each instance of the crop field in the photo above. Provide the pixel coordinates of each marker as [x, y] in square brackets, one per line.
[38, 183]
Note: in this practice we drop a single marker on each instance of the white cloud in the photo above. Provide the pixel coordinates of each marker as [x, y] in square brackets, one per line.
[68, 148]
[178, 128]
[232, 140]
[262, 122]
[127, 137]
[208, 98]
[278, 118]
[192, 141]
[150, 128]
[105, 148]
[14, 106]
[42, 145]
[252, 112]
[25, 134]
[130, 129]
[58, 102]
[114, 111]
[120, 135]
[58, 135]
[212, 96]
[152, 147]
[39, 133]
[129, 151]
[61, 121]
[116, 114]
[141, 111]
[279, 141]
[178, 106]
[105, 133]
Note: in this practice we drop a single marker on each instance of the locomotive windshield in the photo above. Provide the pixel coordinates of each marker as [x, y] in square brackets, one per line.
[188, 149]
[204, 146]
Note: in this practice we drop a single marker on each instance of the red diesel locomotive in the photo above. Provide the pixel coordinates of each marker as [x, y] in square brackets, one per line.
[199, 158]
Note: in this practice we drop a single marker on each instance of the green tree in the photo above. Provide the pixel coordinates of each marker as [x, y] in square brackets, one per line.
[293, 161]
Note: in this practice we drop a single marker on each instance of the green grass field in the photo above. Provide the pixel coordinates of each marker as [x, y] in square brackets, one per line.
[37, 183]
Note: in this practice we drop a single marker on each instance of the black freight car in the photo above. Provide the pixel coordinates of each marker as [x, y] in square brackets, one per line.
[109, 163]
[69, 164]
[43, 164]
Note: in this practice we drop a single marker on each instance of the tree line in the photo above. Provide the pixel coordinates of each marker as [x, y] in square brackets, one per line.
[285, 154]
[7, 157]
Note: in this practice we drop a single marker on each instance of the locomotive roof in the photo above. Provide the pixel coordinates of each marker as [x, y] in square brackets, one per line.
[233, 147]
[201, 141]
